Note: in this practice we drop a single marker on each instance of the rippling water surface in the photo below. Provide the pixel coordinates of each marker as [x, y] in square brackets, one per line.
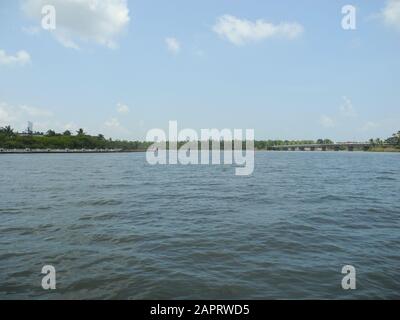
[115, 227]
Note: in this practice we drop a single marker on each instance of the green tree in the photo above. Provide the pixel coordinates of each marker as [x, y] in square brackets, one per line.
[80, 132]
[50, 133]
[7, 131]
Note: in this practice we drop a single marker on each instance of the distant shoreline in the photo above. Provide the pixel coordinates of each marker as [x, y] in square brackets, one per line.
[55, 151]
[52, 142]
[89, 151]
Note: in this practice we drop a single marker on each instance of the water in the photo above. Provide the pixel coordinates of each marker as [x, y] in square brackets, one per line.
[117, 228]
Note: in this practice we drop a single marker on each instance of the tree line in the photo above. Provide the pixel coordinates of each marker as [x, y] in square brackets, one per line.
[10, 139]
[394, 140]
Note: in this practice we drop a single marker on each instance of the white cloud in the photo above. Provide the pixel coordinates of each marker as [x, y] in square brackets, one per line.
[327, 122]
[241, 31]
[391, 13]
[369, 125]
[113, 127]
[31, 30]
[173, 45]
[5, 116]
[18, 116]
[96, 21]
[20, 58]
[113, 123]
[347, 109]
[122, 108]
[35, 112]
[70, 126]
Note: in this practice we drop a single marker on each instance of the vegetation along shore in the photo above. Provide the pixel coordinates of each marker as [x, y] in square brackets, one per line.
[12, 141]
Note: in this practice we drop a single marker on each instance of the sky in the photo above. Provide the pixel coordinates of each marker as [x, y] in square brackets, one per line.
[286, 69]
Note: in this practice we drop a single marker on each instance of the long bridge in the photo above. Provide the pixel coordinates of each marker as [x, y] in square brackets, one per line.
[350, 146]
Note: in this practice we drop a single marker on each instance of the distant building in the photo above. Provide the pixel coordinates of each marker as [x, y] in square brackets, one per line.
[29, 131]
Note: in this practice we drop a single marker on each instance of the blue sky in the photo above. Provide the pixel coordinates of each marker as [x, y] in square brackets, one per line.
[294, 74]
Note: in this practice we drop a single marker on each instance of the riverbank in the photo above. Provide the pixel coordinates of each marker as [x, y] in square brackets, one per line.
[74, 151]
[384, 149]
[56, 151]
[372, 149]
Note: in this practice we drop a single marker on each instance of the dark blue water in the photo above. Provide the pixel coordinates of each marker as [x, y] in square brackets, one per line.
[115, 227]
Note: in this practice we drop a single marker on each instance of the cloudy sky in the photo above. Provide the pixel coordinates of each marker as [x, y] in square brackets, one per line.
[284, 68]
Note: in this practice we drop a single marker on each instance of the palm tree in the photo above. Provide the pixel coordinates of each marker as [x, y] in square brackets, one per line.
[8, 131]
[80, 132]
[396, 138]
